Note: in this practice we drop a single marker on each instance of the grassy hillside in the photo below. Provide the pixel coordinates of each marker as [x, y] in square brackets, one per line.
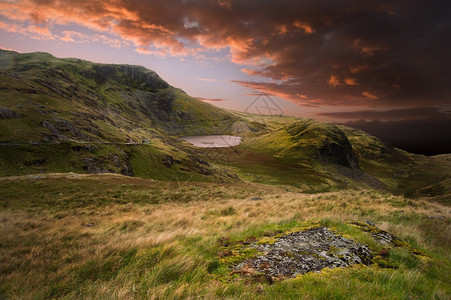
[74, 100]
[401, 172]
[316, 156]
[70, 115]
[60, 115]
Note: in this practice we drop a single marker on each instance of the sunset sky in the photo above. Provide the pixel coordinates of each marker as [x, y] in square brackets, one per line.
[382, 65]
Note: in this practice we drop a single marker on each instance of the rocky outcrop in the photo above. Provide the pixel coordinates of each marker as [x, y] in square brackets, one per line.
[62, 129]
[325, 140]
[6, 113]
[340, 153]
[134, 76]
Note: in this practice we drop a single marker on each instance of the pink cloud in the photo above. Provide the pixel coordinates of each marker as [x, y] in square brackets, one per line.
[9, 49]
[210, 99]
[32, 31]
[73, 36]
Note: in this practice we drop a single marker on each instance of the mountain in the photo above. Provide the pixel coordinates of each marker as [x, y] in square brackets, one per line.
[76, 100]
[71, 115]
[300, 208]
[74, 115]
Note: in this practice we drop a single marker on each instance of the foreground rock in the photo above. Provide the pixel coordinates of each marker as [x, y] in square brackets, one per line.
[304, 251]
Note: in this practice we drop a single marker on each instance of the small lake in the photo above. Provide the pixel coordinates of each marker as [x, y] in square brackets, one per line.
[212, 141]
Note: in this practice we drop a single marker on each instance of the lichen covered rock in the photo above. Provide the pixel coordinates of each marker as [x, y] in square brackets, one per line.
[304, 251]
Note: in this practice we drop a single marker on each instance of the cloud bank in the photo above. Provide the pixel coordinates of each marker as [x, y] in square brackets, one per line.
[312, 52]
[423, 136]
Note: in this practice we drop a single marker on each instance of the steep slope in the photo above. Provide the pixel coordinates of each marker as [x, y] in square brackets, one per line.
[61, 115]
[306, 139]
[403, 173]
[51, 99]
[379, 158]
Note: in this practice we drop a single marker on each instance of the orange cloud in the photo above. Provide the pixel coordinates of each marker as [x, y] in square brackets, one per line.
[250, 72]
[302, 96]
[71, 36]
[281, 29]
[357, 69]
[304, 26]
[334, 81]
[367, 49]
[9, 49]
[32, 31]
[369, 95]
[11, 27]
[351, 81]
[158, 53]
[225, 3]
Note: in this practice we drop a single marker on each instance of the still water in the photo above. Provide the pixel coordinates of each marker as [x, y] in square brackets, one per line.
[212, 141]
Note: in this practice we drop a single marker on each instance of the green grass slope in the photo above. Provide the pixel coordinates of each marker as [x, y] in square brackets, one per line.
[70, 99]
[305, 139]
[302, 153]
[316, 156]
[61, 115]
[71, 115]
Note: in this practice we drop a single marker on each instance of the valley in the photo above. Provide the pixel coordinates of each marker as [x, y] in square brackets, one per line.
[116, 185]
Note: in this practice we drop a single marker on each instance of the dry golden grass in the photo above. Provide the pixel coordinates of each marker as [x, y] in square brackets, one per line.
[157, 250]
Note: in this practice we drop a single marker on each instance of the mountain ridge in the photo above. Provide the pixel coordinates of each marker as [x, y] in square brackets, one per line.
[126, 119]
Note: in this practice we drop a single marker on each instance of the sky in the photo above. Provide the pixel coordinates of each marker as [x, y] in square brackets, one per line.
[383, 66]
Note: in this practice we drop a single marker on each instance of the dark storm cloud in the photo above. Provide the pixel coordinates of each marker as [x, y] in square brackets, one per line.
[313, 52]
[364, 56]
[424, 136]
[423, 130]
